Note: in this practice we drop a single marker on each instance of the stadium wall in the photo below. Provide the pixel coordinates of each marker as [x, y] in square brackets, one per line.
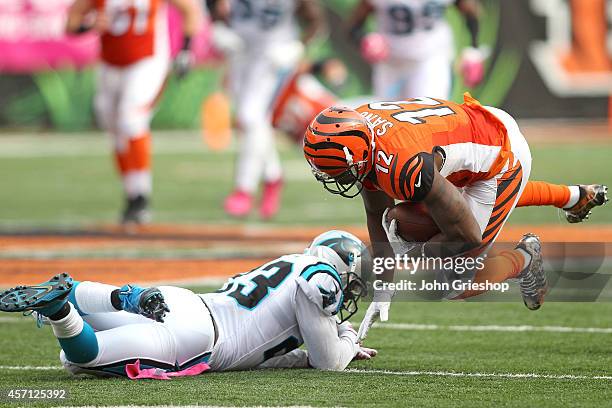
[549, 59]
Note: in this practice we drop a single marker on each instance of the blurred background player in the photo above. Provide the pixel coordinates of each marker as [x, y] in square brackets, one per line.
[412, 49]
[261, 40]
[135, 54]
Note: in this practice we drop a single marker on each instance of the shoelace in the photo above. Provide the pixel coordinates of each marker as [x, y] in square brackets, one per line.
[40, 319]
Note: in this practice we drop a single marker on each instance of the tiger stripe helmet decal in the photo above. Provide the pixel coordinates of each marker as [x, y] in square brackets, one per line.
[338, 146]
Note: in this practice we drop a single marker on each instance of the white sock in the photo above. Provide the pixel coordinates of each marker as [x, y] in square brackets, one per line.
[527, 257]
[574, 196]
[68, 327]
[272, 171]
[137, 183]
[94, 297]
[257, 143]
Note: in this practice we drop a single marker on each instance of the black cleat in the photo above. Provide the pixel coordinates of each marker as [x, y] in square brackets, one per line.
[136, 211]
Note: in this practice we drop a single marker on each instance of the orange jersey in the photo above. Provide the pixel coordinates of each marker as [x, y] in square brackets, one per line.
[472, 141]
[298, 102]
[135, 28]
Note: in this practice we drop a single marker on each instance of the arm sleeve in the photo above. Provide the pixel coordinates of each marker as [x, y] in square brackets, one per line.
[327, 349]
[297, 358]
[414, 179]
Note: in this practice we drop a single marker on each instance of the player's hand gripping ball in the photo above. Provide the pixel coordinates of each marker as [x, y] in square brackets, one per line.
[414, 224]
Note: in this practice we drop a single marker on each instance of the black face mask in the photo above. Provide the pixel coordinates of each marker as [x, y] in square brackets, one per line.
[354, 290]
[350, 189]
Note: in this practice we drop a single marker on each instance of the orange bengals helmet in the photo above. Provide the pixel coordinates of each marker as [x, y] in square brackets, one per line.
[339, 145]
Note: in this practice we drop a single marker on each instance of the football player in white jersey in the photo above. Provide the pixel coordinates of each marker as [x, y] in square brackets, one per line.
[261, 40]
[412, 49]
[257, 319]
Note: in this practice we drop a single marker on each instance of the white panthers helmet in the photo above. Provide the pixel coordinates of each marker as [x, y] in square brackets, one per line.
[351, 259]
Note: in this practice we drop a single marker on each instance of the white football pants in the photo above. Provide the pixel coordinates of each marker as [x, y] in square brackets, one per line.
[185, 338]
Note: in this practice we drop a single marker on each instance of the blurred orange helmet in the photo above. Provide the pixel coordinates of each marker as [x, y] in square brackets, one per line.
[339, 145]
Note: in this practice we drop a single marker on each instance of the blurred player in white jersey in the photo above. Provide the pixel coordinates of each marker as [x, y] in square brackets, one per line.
[135, 54]
[261, 39]
[258, 319]
[412, 49]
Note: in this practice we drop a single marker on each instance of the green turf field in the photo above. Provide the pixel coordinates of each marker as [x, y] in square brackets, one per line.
[414, 368]
[435, 354]
[54, 180]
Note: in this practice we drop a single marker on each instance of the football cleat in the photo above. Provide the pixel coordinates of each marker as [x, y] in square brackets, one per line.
[136, 211]
[149, 302]
[532, 279]
[592, 195]
[46, 298]
[238, 204]
[270, 200]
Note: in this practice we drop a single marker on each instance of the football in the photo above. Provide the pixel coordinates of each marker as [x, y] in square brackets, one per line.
[413, 221]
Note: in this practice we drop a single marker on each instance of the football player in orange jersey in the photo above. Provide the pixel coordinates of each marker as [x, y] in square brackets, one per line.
[135, 54]
[467, 163]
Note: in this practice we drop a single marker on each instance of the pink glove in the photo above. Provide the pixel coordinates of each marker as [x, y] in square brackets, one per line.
[472, 66]
[374, 48]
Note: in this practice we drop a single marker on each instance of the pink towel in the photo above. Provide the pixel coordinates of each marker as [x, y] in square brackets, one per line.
[134, 372]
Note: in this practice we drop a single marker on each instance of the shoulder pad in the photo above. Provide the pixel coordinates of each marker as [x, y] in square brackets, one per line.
[322, 285]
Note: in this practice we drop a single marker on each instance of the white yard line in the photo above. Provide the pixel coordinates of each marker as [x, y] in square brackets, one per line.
[402, 326]
[187, 406]
[493, 328]
[482, 375]
[30, 368]
[402, 373]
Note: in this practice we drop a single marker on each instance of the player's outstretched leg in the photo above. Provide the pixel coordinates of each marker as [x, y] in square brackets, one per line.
[87, 298]
[576, 201]
[50, 299]
[533, 282]
[593, 195]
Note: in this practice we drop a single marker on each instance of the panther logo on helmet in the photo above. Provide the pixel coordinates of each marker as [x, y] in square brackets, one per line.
[351, 259]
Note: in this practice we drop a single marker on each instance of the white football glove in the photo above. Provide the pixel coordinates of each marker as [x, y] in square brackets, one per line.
[378, 309]
[399, 245]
